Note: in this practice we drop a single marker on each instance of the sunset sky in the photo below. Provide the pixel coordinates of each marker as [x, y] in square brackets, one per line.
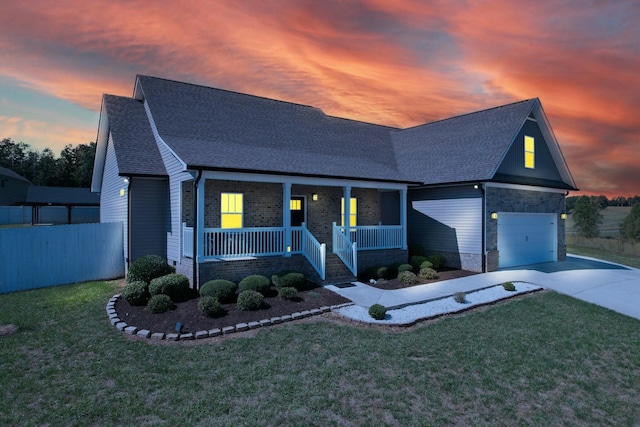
[393, 62]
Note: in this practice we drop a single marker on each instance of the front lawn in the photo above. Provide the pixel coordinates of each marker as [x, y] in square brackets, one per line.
[545, 359]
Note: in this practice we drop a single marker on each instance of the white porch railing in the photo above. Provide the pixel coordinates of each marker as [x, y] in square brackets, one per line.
[371, 237]
[257, 241]
[345, 249]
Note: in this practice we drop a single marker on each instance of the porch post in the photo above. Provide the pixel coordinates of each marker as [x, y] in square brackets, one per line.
[286, 217]
[403, 216]
[200, 227]
[347, 211]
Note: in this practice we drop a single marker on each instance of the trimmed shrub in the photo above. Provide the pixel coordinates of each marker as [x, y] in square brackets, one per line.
[404, 267]
[437, 260]
[428, 273]
[276, 277]
[460, 297]
[290, 280]
[175, 286]
[392, 270]
[224, 290]
[378, 311]
[382, 273]
[160, 303]
[210, 306]
[407, 277]
[136, 293]
[371, 272]
[415, 249]
[426, 264]
[416, 261]
[287, 293]
[147, 268]
[509, 286]
[250, 300]
[255, 282]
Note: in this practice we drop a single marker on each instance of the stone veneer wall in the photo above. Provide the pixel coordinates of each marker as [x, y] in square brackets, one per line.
[511, 200]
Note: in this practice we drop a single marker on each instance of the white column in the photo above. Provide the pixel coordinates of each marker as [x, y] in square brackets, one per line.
[347, 211]
[403, 216]
[200, 225]
[286, 217]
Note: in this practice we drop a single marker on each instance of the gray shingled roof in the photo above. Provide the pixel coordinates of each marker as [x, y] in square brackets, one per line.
[218, 129]
[135, 146]
[12, 174]
[460, 149]
[40, 195]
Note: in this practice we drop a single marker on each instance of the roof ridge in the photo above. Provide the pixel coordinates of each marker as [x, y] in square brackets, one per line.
[471, 113]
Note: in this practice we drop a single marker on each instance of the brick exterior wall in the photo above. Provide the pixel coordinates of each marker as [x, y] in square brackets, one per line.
[267, 266]
[511, 200]
[381, 258]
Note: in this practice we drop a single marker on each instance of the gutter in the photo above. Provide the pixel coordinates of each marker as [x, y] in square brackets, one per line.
[196, 182]
[484, 228]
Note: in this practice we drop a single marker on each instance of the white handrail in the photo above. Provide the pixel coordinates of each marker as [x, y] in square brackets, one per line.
[345, 249]
[314, 251]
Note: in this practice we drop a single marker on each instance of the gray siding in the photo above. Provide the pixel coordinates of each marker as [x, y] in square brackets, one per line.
[177, 175]
[113, 206]
[149, 215]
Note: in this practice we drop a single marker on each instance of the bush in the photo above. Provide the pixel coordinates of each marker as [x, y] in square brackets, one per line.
[287, 293]
[407, 277]
[416, 261]
[147, 268]
[136, 293]
[210, 306]
[382, 273]
[160, 303]
[392, 270]
[426, 264]
[437, 260]
[630, 226]
[224, 290]
[250, 300]
[255, 282]
[404, 267]
[378, 311]
[509, 286]
[415, 249]
[290, 280]
[175, 286]
[428, 274]
[460, 297]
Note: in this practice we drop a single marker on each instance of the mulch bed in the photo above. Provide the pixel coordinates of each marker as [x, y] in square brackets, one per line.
[442, 275]
[187, 313]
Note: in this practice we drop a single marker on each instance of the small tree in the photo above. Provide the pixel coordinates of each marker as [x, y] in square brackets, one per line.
[630, 227]
[587, 217]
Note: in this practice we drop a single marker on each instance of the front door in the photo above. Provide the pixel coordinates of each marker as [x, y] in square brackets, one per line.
[297, 211]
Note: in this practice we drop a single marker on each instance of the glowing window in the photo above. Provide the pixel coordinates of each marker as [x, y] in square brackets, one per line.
[231, 210]
[295, 205]
[353, 212]
[529, 152]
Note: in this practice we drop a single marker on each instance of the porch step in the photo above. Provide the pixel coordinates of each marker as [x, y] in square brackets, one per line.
[336, 271]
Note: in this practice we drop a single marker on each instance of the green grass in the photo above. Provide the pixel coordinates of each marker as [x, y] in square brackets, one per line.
[542, 360]
[612, 216]
[605, 255]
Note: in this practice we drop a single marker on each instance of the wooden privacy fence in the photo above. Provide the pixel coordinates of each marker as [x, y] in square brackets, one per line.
[37, 257]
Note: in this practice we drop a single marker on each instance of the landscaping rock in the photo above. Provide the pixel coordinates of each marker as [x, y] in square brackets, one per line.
[242, 327]
[186, 337]
[228, 330]
[276, 320]
[121, 326]
[265, 322]
[202, 334]
[296, 315]
[115, 320]
[215, 332]
[173, 337]
[131, 330]
[254, 325]
[286, 318]
[144, 333]
[157, 336]
[305, 313]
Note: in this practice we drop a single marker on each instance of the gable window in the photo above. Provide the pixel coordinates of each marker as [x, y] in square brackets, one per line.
[353, 212]
[529, 152]
[231, 210]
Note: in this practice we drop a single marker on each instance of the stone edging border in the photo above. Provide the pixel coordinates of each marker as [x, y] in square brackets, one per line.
[240, 327]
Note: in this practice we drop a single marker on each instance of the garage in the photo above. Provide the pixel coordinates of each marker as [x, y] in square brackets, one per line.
[527, 238]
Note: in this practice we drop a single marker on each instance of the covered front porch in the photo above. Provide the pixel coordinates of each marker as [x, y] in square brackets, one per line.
[230, 217]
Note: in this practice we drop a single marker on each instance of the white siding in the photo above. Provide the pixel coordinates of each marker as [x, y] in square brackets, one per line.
[462, 216]
[113, 206]
[177, 174]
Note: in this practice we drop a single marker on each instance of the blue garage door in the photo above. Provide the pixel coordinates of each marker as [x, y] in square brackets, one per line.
[526, 238]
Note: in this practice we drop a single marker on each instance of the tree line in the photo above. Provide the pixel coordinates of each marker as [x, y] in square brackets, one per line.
[587, 217]
[72, 168]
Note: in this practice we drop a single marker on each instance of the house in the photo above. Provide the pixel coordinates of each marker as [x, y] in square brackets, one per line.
[62, 205]
[224, 184]
[13, 187]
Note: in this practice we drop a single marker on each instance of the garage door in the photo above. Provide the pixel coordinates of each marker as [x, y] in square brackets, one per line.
[526, 238]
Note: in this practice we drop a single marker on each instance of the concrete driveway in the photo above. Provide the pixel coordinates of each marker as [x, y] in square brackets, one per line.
[609, 285]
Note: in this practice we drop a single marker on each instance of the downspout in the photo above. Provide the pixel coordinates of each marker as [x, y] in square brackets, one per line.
[128, 180]
[195, 230]
[484, 228]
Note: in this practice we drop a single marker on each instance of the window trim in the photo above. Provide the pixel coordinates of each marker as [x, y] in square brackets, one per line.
[353, 212]
[231, 211]
[529, 152]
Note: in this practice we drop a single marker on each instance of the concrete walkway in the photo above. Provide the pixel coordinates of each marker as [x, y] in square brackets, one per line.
[606, 284]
